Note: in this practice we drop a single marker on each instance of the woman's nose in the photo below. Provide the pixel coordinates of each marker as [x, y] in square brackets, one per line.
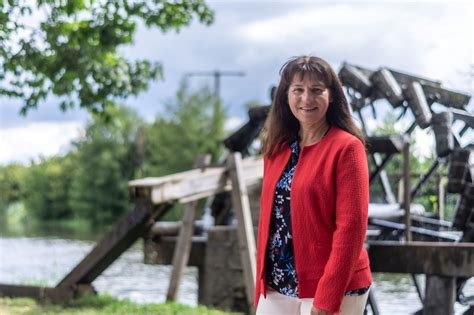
[305, 96]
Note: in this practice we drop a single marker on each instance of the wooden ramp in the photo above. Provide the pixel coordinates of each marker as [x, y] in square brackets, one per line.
[152, 198]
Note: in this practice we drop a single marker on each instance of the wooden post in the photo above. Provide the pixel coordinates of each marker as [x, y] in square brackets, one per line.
[440, 295]
[406, 186]
[441, 194]
[240, 202]
[183, 245]
[384, 179]
[38, 293]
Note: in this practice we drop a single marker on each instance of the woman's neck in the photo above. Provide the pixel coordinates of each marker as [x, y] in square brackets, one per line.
[312, 134]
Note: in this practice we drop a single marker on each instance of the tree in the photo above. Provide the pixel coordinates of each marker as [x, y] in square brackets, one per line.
[45, 188]
[10, 178]
[107, 158]
[73, 54]
[193, 125]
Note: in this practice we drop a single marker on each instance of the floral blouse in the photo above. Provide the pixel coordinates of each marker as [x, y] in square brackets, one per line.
[280, 261]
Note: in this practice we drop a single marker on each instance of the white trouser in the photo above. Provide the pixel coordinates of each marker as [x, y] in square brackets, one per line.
[279, 304]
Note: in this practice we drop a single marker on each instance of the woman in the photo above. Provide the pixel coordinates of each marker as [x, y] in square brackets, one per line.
[314, 201]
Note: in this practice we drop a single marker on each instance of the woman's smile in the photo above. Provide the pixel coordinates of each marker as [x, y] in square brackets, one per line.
[308, 109]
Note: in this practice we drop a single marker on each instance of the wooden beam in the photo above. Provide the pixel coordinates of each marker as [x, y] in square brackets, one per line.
[160, 251]
[240, 202]
[385, 144]
[406, 187]
[448, 98]
[131, 227]
[385, 183]
[171, 228]
[432, 258]
[425, 178]
[183, 245]
[406, 78]
[379, 168]
[437, 235]
[463, 115]
[433, 222]
[196, 184]
[440, 295]
[37, 293]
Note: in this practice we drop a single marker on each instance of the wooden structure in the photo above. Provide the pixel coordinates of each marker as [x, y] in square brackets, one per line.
[418, 95]
[183, 246]
[441, 262]
[130, 228]
[152, 198]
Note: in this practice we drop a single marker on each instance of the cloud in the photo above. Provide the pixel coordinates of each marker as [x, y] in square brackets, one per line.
[431, 39]
[29, 142]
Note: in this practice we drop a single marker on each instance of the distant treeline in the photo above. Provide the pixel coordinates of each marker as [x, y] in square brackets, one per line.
[90, 182]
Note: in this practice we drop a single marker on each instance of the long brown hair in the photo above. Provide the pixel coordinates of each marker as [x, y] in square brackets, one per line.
[282, 126]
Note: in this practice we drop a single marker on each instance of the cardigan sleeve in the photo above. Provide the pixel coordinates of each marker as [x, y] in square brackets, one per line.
[351, 214]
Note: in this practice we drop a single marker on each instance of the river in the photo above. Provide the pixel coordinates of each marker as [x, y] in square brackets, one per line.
[46, 260]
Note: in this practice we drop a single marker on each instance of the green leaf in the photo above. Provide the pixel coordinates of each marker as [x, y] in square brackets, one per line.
[74, 53]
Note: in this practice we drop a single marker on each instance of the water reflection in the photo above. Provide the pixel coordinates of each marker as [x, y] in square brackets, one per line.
[40, 261]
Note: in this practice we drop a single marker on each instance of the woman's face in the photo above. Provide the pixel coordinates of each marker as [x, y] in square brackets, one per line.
[309, 100]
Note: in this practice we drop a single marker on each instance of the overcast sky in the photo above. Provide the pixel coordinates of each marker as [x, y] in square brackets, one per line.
[433, 39]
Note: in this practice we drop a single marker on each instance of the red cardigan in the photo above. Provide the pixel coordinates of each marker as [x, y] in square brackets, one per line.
[329, 209]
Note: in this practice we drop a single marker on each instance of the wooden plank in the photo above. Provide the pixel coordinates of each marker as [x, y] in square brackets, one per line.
[160, 252]
[37, 293]
[131, 227]
[385, 183]
[406, 78]
[425, 178]
[241, 140]
[170, 228]
[240, 202]
[440, 295]
[417, 284]
[463, 115]
[183, 245]
[197, 184]
[379, 168]
[448, 98]
[432, 258]
[406, 187]
[433, 222]
[439, 235]
[441, 199]
[385, 144]
[380, 144]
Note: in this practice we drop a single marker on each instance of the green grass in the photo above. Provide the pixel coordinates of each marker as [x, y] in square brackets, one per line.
[101, 304]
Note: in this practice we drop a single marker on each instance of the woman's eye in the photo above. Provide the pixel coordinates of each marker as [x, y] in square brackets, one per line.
[318, 91]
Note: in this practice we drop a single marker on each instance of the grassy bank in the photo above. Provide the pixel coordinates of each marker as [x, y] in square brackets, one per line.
[95, 305]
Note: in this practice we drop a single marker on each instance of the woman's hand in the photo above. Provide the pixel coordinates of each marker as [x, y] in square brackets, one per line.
[317, 311]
